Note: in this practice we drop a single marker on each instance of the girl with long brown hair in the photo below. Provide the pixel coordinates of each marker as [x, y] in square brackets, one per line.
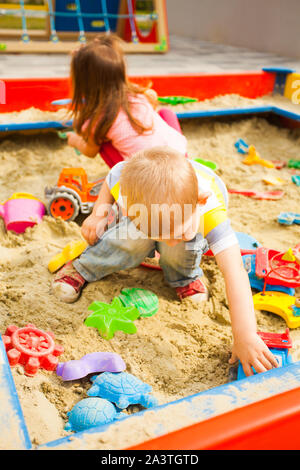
[111, 115]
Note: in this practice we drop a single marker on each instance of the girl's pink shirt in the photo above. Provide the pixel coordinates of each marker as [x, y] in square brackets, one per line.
[127, 141]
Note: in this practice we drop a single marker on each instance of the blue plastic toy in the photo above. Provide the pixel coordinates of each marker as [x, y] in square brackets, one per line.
[279, 344]
[281, 355]
[91, 412]
[247, 242]
[296, 179]
[296, 311]
[288, 218]
[241, 146]
[123, 389]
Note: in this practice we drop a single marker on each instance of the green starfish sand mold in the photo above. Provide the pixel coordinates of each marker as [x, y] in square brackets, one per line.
[145, 301]
[109, 318]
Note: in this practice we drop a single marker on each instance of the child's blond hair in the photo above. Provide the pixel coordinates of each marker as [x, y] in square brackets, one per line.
[159, 176]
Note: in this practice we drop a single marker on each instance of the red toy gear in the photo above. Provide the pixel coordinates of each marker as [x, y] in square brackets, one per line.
[32, 348]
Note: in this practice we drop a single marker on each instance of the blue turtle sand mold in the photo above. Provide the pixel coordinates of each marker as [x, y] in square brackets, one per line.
[91, 412]
[123, 389]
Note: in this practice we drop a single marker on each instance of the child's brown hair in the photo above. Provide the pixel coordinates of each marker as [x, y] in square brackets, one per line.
[100, 87]
[158, 177]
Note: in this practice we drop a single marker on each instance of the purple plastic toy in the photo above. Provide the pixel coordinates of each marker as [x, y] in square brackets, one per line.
[90, 364]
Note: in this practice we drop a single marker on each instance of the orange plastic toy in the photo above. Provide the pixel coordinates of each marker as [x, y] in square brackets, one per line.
[72, 194]
[253, 158]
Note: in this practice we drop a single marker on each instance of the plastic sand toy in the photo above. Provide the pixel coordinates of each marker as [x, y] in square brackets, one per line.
[123, 389]
[278, 303]
[263, 195]
[289, 255]
[253, 158]
[272, 267]
[109, 318]
[278, 164]
[32, 348]
[70, 252]
[294, 164]
[90, 364]
[247, 242]
[145, 301]
[72, 194]
[174, 100]
[296, 307]
[22, 210]
[279, 344]
[209, 163]
[296, 179]
[241, 146]
[288, 218]
[249, 261]
[274, 180]
[63, 135]
[91, 412]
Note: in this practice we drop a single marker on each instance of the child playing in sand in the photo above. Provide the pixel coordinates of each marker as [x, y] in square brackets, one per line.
[111, 115]
[177, 207]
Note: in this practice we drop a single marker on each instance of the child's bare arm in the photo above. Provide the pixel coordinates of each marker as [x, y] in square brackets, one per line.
[248, 347]
[89, 149]
[94, 225]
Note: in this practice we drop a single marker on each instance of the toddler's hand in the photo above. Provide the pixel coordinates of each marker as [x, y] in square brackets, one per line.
[252, 352]
[93, 228]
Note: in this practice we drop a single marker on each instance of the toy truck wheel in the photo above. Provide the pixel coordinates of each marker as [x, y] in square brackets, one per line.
[64, 205]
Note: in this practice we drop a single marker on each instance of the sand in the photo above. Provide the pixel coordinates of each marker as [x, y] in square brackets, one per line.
[182, 350]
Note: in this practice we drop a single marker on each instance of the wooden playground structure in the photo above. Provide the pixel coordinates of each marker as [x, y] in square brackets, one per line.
[59, 26]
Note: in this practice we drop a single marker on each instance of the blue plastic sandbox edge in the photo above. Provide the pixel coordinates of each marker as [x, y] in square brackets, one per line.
[12, 404]
[51, 125]
[16, 127]
[286, 378]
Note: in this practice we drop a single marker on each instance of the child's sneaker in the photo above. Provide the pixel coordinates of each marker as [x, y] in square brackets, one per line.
[68, 283]
[196, 291]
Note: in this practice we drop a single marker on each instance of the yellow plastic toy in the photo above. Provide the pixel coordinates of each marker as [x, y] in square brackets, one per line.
[274, 180]
[279, 303]
[253, 158]
[289, 255]
[23, 196]
[70, 252]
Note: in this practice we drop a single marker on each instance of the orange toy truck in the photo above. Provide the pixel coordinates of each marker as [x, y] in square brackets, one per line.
[72, 195]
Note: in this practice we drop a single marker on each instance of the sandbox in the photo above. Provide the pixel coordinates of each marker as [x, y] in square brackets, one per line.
[183, 350]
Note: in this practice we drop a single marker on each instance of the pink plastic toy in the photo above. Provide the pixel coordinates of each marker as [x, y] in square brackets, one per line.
[32, 348]
[21, 211]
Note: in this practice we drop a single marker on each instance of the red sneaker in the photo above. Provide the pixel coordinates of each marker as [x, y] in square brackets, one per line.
[68, 283]
[196, 291]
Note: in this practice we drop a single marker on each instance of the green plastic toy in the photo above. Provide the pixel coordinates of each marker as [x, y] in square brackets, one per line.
[109, 318]
[294, 164]
[145, 301]
[63, 136]
[209, 163]
[174, 100]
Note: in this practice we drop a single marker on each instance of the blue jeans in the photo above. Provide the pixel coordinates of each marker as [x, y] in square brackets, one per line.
[113, 253]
